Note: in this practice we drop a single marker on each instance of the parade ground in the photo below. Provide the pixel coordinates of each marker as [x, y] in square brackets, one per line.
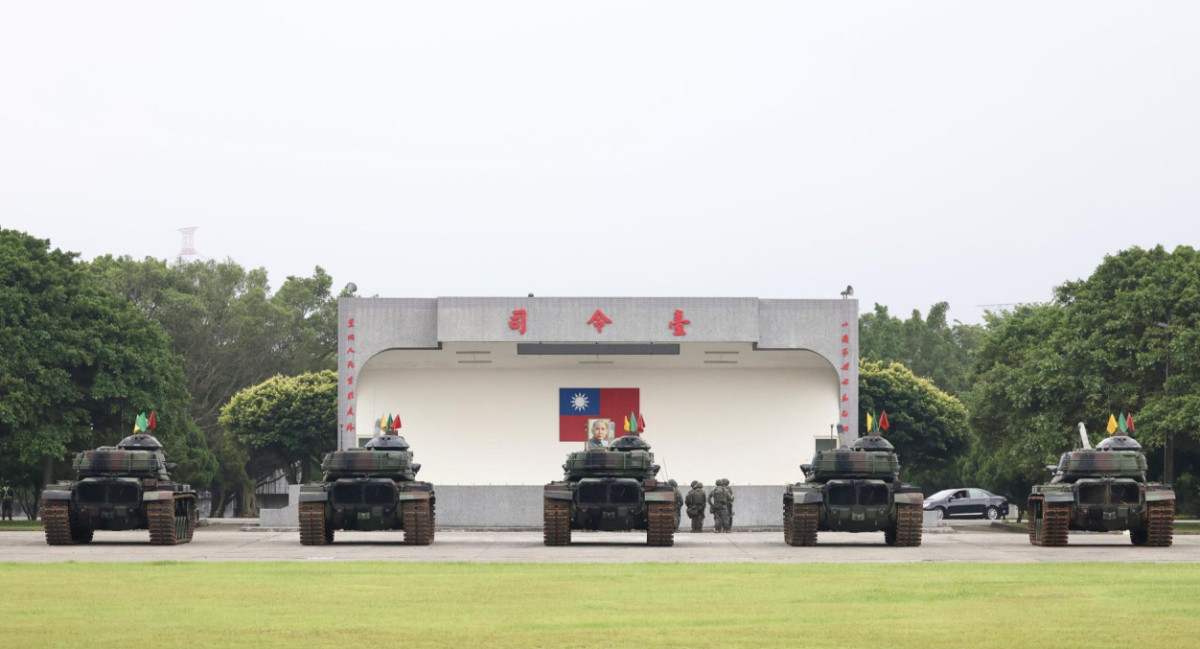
[218, 543]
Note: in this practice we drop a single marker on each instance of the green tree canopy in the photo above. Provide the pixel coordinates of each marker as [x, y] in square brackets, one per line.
[928, 427]
[284, 422]
[79, 363]
[929, 346]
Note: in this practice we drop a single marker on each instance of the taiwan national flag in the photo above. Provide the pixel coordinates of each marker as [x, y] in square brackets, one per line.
[577, 405]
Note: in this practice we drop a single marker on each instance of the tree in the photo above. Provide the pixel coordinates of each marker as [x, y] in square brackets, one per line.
[79, 363]
[232, 333]
[284, 423]
[1096, 349]
[928, 346]
[928, 427]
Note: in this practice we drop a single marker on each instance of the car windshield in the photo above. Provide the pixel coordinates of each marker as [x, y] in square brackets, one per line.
[941, 494]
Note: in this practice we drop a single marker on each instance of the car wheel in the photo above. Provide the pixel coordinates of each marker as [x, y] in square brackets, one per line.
[939, 514]
[993, 514]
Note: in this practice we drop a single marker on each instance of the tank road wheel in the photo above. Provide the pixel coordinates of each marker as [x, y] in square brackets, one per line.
[908, 525]
[1048, 522]
[168, 521]
[418, 522]
[1160, 524]
[185, 518]
[803, 524]
[660, 527]
[56, 521]
[556, 522]
[313, 528]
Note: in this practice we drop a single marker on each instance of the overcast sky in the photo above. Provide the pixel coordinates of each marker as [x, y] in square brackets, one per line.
[977, 153]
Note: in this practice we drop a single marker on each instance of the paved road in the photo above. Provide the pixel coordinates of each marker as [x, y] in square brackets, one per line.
[216, 544]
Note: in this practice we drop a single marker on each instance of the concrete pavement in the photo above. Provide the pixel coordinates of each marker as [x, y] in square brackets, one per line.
[218, 543]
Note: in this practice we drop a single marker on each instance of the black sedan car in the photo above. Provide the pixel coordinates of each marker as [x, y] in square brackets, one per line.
[967, 503]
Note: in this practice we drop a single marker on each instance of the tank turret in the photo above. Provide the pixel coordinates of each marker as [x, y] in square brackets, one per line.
[388, 442]
[140, 442]
[1102, 489]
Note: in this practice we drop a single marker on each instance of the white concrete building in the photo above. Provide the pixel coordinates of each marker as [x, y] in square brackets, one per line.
[736, 388]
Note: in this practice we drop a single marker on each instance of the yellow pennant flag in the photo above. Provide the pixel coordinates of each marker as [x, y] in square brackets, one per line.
[870, 422]
[627, 423]
[1112, 424]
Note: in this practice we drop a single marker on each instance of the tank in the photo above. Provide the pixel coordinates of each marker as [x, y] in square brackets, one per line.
[1102, 489]
[853, 489]
[122, 487]
[610, 489]
[369, 489]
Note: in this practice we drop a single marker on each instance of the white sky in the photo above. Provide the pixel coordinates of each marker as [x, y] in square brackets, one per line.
[973, 152]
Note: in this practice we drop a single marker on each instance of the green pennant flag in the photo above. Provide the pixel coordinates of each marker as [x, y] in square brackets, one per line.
[141, 423]
[1123, 425]
[633, 423]
[388, 425]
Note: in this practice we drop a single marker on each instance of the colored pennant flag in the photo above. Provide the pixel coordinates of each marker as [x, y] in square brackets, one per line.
[633, 423]
[396, 422]
[1122, 425]
[1112, 424]
[1129, 423]
[140, 423]
[626, 428]
[153, 423]
[883, 422]
[642, 422]
[870, 422]
[389, 423]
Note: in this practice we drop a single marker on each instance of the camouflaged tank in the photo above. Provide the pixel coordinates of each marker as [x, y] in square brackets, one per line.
[610, 489]
[371, 488]
[1102, 489]
[854, 489]
[122, 487]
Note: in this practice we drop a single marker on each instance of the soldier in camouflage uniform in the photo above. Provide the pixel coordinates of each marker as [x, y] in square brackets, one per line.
[695, 506]
[720, 501]
[678, 502]
[6, 497]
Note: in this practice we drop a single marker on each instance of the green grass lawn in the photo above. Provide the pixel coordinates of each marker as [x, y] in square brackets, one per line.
[494, 606]
[20, 525]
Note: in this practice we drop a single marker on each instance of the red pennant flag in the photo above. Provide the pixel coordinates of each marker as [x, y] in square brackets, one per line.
[1129, 422]
[153, 423]
[883, 422]
[642, 422]
[396, 423]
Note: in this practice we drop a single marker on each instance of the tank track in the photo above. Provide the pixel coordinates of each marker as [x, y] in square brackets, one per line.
[1048, 523]
[60, 525]
[173, 521]
[660, 524]
[556, 522]
[313, 528]
[802, 524]
[418, 522]
[1160, 524]
[908, 526]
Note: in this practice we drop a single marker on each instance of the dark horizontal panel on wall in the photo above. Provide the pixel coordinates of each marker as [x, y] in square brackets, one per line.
[585, 349]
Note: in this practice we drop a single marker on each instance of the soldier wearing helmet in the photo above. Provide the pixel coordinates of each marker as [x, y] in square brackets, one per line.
[695, 506]
[678, 502]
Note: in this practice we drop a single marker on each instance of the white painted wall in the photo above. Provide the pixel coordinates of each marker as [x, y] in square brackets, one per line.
[500, 426]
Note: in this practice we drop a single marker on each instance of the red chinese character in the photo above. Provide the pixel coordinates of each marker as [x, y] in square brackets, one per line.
[350, 395]
[598, 320]
[349, 336]
[517, 321]
[349, 365]
[350, 426]
[845, 414]
[845, 324]
[845, 367]
[845, 397]
[845, 352]
[845, 381]
[350, 412]
[678, 322]
[350, 324]
[846, 338]
[350, 351]
[349, 380]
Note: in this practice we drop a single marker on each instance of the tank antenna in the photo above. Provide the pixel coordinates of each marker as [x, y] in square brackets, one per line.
[1087, 443]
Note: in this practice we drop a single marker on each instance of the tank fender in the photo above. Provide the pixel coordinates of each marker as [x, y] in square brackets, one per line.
[413, 495]
[154, 494]
[314, 496]
[910, 498]
[57, 494]
[660, 496]
[1059, 496]
[1156, 495]
[808, 497]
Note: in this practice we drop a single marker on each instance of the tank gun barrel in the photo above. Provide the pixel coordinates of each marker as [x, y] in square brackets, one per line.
[1087, 443]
